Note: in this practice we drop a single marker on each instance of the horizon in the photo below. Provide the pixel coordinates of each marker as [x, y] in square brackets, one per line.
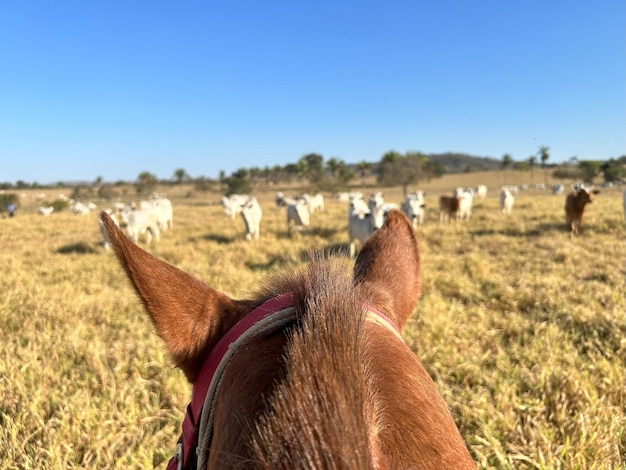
[107, 90]
[191, 179]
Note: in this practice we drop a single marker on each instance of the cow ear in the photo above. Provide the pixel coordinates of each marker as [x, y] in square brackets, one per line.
[388, 265]
[187, 314]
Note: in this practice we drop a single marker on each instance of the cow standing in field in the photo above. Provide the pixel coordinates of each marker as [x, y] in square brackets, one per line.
[379, 208]
[506, 201]
[361, 224]
[575, 203]
[315, 202]
[298, 215]
[45, 211]
[140, 222]
[448, 208]
[414, 208]
[465, 198]
[234, 204]
[251, 213]
[283, 200]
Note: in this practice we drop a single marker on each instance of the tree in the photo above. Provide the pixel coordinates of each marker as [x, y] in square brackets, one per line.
[614, 169]
[146, 182]
[532, 161]
[107, 192]
[364, 168]
[238, 182]
[333, 164]
[338, 175]
[507, 161]
[180, 175]
[202, 184]
[544, 156]
[589, 169]
[311, 167]
[403, 170]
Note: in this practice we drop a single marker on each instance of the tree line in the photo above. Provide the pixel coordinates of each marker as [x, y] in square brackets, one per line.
[333, 174]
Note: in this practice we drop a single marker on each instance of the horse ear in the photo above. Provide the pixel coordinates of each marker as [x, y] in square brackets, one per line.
[389, 265]
[188, 315]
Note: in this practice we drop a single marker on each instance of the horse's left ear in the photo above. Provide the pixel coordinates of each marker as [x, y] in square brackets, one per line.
[389, 264]
[188, 315]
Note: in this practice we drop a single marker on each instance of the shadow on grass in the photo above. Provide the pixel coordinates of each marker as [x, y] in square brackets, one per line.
[309, 232]
[281, 261]
[210, 237]
[513, 232]
[277, 261]
[81, 248]
[322, 232]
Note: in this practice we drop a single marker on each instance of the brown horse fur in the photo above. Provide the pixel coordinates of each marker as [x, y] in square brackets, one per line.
[332, 391]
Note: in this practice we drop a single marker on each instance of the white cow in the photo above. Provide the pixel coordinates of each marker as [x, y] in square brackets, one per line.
[140, 222]
[506, 201]
[379, 208]
[414, 208]
[298, 215]
[360, 223]
[558, 189]
[343, 196]
[481, 191]
[234, 204]
[162, 207]
[251, 213]
[316, 202]
[82, 209]
[45, 210]
[465, 203]
[283, 200]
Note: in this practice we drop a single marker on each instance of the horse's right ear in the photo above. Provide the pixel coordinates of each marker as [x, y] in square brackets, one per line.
[389, 264]
[188, 315]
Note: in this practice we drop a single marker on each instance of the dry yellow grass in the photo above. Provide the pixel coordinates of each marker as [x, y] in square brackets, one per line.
[523, 329]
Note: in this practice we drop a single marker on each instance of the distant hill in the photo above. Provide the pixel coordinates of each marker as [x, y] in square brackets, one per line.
[461, 162]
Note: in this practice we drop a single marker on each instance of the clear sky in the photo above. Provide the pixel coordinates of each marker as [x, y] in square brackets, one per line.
[113, 88]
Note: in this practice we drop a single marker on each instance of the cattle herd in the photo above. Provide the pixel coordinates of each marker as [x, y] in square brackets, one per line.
[150, 217]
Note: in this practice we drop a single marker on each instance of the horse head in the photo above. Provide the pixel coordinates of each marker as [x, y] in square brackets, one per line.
[312, 372]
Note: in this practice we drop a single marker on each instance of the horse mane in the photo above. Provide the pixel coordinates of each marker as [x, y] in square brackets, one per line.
[318, 414]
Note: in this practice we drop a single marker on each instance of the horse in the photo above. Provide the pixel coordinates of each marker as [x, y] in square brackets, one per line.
[311, 372]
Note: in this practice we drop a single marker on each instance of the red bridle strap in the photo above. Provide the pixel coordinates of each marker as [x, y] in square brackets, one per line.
[263, 313]
[191, 423]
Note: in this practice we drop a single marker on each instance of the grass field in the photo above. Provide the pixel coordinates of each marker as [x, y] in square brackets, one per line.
[522, 328]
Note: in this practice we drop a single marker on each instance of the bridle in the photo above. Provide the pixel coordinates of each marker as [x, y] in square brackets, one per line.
[197, 427]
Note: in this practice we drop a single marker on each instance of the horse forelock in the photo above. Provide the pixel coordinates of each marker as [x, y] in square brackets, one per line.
[320, 413]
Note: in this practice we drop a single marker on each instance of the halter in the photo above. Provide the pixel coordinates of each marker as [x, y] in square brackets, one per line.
[268, 317]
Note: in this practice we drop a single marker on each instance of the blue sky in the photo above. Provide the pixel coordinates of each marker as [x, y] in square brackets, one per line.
[112, 89]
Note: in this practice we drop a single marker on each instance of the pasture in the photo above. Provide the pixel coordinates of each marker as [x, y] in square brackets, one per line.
[522, 327]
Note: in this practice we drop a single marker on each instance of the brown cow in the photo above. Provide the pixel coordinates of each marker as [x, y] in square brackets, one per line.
[448, 206]
[575, 203]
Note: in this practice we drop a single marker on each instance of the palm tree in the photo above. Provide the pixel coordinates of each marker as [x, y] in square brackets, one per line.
[180, 175]
[364, 168]
[544, 156]
[532, 161]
